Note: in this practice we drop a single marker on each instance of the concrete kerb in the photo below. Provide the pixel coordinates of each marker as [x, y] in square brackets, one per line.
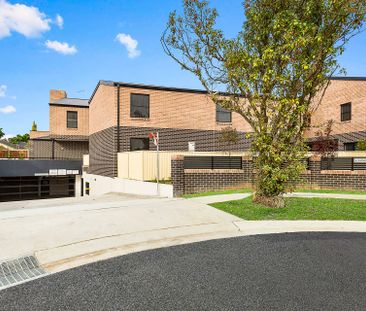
[90, 251]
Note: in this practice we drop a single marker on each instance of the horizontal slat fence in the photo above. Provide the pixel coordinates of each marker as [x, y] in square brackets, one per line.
[343, 164]
[212, 163]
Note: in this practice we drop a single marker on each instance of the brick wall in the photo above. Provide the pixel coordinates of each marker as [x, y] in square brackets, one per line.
[103, 144]
[187, 181]
[58, 121]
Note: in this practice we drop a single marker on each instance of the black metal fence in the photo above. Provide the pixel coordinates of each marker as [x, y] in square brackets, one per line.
[351, 164]
[213, 163]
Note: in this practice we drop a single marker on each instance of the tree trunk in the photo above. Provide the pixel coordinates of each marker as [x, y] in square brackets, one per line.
[270, 201]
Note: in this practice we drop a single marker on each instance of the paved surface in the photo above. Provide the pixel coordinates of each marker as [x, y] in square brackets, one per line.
[327, 195]
[308, 271]
[77, 232]
[220, 198]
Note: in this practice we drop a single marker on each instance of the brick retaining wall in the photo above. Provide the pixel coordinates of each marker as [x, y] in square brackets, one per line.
[188, 181]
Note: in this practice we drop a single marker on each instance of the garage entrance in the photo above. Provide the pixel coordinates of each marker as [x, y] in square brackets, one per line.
[33, 187]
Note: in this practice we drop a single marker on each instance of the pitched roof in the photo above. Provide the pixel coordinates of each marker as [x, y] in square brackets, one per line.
[75, 102]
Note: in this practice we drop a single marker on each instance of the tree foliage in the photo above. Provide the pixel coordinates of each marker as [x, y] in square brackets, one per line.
[34, 126]
[361, 145]
[324, 143]
[19, 139]
[2, 133]
[276, 70]
[229, 136]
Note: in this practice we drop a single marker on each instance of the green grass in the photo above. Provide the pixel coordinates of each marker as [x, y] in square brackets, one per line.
[298, 209]
[205, 194]
[331, 191]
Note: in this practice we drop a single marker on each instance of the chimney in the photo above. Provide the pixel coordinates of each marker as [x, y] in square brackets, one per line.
[56, 95]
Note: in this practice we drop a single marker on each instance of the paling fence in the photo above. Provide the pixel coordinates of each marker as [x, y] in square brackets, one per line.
[14, 154]
[142, 165]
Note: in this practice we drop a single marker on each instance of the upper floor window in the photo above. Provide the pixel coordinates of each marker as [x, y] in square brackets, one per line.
[346, 112]
[222, 115]
[72, 119]
[140, 106]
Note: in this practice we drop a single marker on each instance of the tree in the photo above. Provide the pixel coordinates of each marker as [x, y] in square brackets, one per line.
[324, 143]
[361, 145]
[2, 134]
[34, 126]
[229, 136]
[275, 72]
[19, 139]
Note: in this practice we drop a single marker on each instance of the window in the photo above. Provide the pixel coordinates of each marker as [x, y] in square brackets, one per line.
[139, 144]
[346, 112]
[140, 106]
[350, 146]
[72, 119]
[222, 115]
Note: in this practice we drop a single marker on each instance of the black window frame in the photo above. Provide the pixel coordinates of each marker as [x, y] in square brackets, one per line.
[346, 112]
[347, 145]
[69, 121]
[134, 104]
[223, 112]
[146, 143]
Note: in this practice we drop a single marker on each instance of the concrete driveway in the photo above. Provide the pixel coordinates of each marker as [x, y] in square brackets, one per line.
[65, 233]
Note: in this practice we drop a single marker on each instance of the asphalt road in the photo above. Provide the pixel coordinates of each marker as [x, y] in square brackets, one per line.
[302, 271]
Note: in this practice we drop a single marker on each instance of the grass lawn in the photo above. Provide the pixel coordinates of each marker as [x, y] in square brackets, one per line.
[205, 194]
[298, 209]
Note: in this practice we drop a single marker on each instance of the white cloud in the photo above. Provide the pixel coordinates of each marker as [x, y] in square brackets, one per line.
[61, 47]
[130, 45]
[26, 20]
[3, 89]
[59, 21]
[8, 109]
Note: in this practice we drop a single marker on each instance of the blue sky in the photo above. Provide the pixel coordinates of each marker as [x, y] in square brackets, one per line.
[34, 57]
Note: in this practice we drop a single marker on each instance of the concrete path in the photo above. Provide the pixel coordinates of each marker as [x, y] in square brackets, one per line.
[327, 195]
[238, 196]
[220, 198]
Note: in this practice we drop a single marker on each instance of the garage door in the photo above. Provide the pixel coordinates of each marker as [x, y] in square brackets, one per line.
[43, 187]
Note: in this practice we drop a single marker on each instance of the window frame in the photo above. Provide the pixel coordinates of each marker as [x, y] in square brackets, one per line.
[140, 138]
[68, 121]
[353, 144]
[346, 115]
[131, 105]
[219, 111]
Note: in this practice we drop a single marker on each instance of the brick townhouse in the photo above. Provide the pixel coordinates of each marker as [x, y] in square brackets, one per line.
[119, 117]
[68, 135]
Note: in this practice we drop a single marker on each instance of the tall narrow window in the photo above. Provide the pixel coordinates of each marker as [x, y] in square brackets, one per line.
[140, 106]
[222, 115]
[346, 112]
[72, 119]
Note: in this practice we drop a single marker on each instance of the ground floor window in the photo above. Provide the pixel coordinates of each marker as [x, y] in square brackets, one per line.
[350, 146]
[139, 144]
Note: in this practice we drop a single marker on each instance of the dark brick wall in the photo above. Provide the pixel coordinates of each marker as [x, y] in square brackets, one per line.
[103, 153]
[339, 180]
[174, 139]
[349, 137]
[103, 144]
[194, 181]
[178, 176]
